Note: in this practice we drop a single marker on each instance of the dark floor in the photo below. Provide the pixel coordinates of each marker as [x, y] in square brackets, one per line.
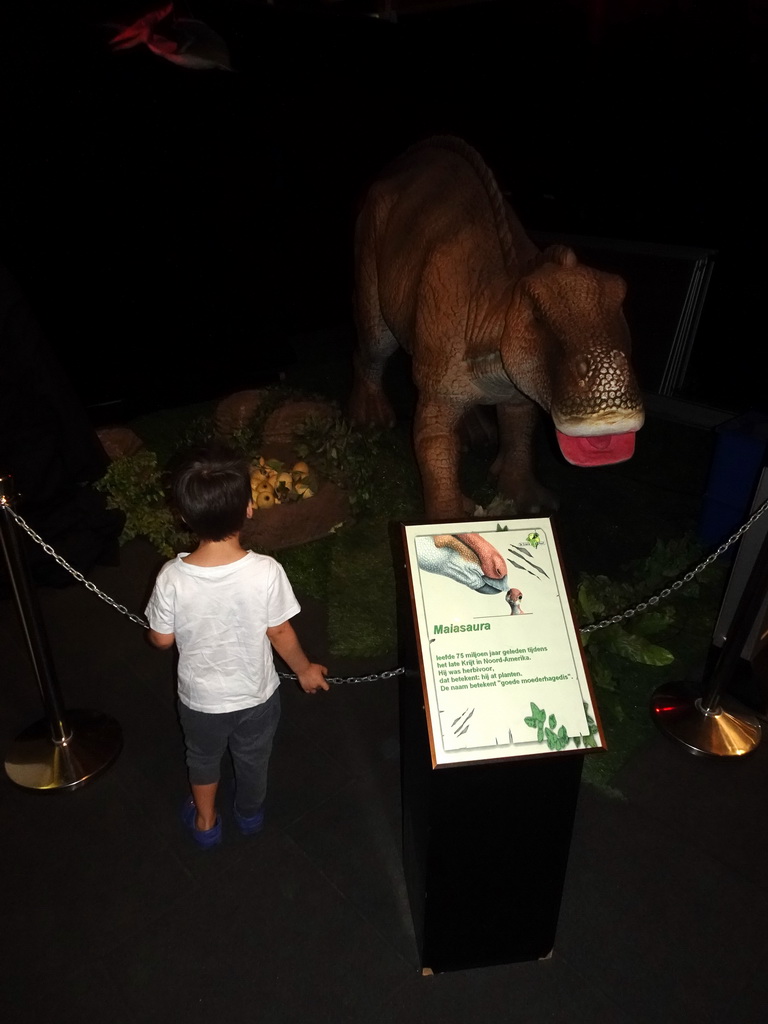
[111, 914]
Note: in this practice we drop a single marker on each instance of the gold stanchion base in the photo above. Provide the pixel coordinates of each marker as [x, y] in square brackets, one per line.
[36, 762]
[728, 731]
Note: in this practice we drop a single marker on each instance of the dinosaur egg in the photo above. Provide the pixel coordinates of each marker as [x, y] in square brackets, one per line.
[265, 497]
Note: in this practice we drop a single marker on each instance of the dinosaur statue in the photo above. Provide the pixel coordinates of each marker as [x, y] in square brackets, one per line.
[467, 558]
[445, 269]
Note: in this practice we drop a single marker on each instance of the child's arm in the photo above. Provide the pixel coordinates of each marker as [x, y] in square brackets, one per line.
[311, 676]
[161, 640]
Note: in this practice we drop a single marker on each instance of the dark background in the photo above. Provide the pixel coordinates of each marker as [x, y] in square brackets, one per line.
[174, 230]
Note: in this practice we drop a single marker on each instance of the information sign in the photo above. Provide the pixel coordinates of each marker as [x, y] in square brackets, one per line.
[502, 666]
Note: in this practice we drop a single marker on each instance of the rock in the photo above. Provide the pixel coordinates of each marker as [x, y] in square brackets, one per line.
[234, 412]
[118, 442]
[281, 425]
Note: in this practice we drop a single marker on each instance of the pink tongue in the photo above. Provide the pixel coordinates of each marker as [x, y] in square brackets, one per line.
[597, 451]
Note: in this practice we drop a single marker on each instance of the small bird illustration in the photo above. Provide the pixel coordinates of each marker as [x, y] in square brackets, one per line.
[184, 41]
[514, 600]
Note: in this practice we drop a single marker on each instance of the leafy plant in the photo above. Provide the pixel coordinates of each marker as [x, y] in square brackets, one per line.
[198, 433]
[597, 598]
[634, 638]
[588, 739]
[134, 484]
[343, 454]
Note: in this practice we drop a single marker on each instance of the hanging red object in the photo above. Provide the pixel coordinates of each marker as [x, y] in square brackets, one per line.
[184, 41]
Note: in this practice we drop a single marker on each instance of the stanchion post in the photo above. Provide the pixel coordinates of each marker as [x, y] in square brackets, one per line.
[65, 749]
[713, 723]
[31, 620]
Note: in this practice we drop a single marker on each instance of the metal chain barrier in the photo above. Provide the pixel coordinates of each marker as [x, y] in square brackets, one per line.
[391, 673]
[72, 571]
[652, 601]
[139, 620]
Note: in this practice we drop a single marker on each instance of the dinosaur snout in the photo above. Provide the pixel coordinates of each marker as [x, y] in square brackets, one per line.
[465, 558]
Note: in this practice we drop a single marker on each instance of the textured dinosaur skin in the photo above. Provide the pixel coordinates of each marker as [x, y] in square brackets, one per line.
[444, 268]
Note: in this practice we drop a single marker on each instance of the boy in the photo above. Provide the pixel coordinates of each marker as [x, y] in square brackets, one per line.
[223, 606]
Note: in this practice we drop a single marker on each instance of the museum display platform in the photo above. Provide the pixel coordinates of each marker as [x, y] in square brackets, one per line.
[313, 918]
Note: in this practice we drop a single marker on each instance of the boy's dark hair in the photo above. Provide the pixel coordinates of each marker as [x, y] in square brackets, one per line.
[211, 488]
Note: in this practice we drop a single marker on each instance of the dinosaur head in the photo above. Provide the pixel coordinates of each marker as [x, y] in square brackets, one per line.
[466, 558]
[596, 407]
[572, 346]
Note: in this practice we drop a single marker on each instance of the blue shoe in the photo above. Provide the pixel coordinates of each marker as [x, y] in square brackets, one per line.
[249, 826]
[204, 838]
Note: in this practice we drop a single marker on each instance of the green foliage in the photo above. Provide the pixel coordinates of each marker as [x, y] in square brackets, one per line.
[343, 454]
[198, 433]
[248, 439]
[670, 559]
[630, 659]
[557, 738]
[134, 484]
[635, 638]
[536, 721]
[589, 739]
[161, 431]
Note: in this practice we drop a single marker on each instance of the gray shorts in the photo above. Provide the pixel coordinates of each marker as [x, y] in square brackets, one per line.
[248, 734]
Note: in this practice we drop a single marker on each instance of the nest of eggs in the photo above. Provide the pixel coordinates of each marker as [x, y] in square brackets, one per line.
[284, 517]
[292, 504]
[272, 483]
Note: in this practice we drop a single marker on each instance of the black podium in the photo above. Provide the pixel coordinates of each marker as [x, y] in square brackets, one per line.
[485, 846]
[485, 849]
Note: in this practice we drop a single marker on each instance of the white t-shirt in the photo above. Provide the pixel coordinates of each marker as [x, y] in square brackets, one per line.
[220, 615]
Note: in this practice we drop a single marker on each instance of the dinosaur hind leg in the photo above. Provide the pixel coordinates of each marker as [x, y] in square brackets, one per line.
[375, 344]
[514, 464]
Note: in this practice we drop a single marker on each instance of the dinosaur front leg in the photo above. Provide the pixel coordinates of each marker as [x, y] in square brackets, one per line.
[436, 443]
[514, 463]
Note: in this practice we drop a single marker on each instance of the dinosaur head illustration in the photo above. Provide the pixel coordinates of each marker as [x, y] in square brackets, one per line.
[466, 558]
